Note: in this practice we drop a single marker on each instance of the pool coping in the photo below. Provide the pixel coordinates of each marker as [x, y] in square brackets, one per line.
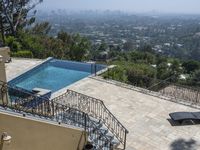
[29, 69]
[64, 89]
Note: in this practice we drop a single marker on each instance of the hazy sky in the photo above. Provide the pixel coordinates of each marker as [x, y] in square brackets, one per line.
[173, 6]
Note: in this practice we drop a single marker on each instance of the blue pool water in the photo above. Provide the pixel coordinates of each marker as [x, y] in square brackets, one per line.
[54, 75]
[52, 78]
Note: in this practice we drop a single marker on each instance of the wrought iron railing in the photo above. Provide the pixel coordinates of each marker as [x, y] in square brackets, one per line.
[22, 101]
[75, 117]
[178, 92]
[169, 88]
[97, 109]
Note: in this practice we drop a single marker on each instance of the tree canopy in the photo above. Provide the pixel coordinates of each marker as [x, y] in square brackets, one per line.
[15, 14]
[33, 40]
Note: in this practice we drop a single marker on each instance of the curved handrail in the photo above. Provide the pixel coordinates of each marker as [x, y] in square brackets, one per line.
[55, 111]
[19, 99]
[22, 90]
[95, 108]
[87, 124]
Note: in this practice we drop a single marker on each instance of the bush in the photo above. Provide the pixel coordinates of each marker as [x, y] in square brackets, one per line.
[191, 66]
[137, 74]
[140, 75]
[23, 54]
[12, 43]
[118, 73]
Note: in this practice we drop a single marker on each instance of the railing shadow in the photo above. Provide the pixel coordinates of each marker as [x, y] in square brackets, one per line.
[182, 144]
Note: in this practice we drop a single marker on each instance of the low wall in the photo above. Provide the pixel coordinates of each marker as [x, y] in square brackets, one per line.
[29, 134]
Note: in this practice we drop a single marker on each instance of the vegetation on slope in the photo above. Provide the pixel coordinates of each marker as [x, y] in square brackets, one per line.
[145, 69]
[141, 67]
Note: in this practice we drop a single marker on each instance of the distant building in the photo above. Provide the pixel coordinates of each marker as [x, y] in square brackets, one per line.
[179, 45]
[167, 44]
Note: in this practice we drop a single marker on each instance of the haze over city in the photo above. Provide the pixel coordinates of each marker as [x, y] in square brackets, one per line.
[163, 6]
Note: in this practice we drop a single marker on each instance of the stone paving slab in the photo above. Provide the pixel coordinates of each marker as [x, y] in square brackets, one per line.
[19, 65]
[146, 117]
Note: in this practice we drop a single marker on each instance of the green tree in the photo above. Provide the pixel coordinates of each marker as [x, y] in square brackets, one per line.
[191, 66]
[103, 47]
[163, 71]
[79, 48]
[147, 48]
[13, 43]
[128, 46]
[175, 68]
[41, 28]
[141, 74]
[195, 78]
[65, 37]
[14, 14]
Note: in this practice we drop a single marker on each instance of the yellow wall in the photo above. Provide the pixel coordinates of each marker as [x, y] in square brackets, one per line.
[34, 135]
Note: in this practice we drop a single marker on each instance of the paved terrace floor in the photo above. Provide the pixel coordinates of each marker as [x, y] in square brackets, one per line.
[18, 66]
[144, 116]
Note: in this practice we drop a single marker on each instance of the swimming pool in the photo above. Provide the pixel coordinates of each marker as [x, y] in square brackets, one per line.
[55, 74]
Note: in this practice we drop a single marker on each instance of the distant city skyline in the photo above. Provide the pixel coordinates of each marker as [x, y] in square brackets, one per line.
[162, 6]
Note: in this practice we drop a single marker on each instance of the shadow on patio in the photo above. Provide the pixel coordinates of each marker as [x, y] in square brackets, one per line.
[182, 144]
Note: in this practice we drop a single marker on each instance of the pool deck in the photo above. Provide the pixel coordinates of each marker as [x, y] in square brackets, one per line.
[19, 65]
[146, 117]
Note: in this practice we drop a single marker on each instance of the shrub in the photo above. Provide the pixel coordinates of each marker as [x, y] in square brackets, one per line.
[13, 43]
[23, 54]
[118, 73]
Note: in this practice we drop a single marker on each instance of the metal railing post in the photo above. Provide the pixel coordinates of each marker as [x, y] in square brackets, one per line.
[91, 68]
[125, 140]
[108, 73]
[95, 69]
[197, 96]
[85, 123]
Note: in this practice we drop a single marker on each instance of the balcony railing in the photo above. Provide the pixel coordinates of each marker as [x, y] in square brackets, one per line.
[22, 101]
[167, 88]
[95, 108]
[75, 117]
[179, 93]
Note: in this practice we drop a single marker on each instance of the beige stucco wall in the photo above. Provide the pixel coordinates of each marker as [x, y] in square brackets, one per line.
[36, 135]
[5, 52]
[2, 70]
[2, 78]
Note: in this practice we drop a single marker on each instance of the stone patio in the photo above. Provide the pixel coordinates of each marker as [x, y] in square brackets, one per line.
[146, 117]
[18, 66]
